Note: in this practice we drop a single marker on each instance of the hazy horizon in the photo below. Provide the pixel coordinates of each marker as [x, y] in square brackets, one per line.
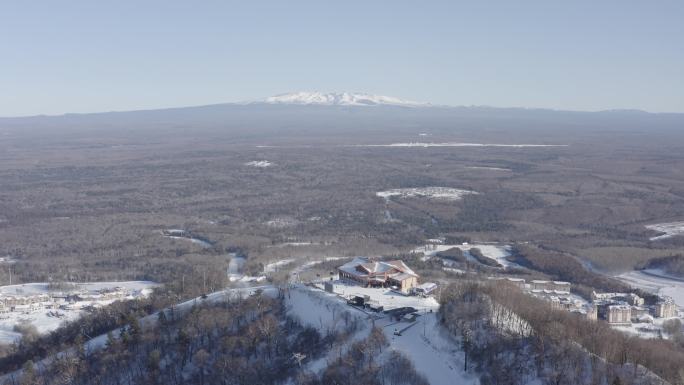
[261, 100]
[81, 57]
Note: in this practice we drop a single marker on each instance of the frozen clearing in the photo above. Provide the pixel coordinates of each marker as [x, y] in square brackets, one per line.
[259, 163]
[445, 193]
[669, 229]
[496, 252]
[456, 144]
[653, 282]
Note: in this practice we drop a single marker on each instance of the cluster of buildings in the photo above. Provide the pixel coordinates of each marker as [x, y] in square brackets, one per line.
[628, 308]
[614, 308]
[366, 272]
[58, 300]
[555, 292]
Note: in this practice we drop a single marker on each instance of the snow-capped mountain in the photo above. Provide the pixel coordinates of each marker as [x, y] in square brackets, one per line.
[340, 99]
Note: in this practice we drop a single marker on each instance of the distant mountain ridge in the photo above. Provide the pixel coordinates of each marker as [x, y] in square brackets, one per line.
[341, 99]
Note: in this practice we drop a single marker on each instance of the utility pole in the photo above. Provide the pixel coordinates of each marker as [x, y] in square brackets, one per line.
[424, 320]
[204, 282]
[9, 267]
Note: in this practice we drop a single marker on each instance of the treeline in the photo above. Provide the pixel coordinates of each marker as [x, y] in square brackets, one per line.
[673, 264]
[564, 267]
[512, 338]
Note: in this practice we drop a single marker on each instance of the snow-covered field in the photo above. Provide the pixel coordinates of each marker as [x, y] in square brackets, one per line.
[496, 252]
[488, 168]
[281, 222]
[653, 281]
[669, 229]
[445, 193]
[457, 144]
[259, 163]
[433, 352]
[44, 320]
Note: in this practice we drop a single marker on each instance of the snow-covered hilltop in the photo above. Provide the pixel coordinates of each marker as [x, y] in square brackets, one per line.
[340, 99]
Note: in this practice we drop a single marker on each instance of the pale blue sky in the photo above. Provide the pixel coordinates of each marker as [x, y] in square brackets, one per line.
[86, 56]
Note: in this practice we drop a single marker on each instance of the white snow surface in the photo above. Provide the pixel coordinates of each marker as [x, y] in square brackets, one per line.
[235, 271]
[496, 252]
[281, 222]
[645, 330]
[669, 229]
[488, 168]
[444, 193]
[42, 287]
[434, 353]
[385, 297]
[275, 266]
[654, 282]
[341, 99]
[259, 163]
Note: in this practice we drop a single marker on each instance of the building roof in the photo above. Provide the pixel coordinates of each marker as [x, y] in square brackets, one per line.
[427, 286]
[620, 307]
[396, 269]
[401, 276]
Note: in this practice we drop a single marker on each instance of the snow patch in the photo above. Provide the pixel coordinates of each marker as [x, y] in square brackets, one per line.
[275, 266]
[498, 253]
[281, 222]
[444, 193]
[259, 163]
[488, 168]
[669, 229]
